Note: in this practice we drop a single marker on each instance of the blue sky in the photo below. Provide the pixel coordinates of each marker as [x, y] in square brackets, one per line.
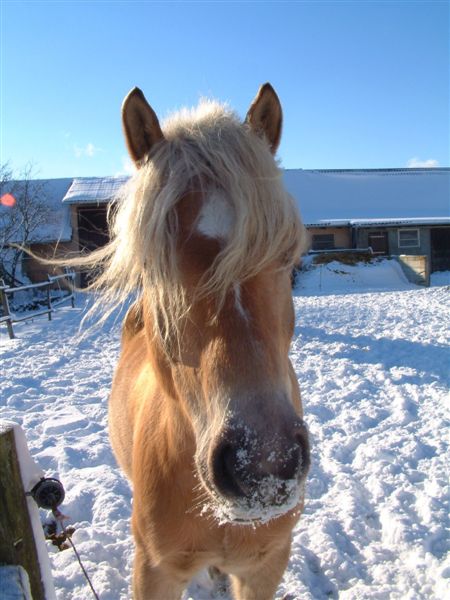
[363, 84]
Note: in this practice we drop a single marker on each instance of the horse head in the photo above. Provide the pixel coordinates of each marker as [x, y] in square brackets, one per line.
[215, 239]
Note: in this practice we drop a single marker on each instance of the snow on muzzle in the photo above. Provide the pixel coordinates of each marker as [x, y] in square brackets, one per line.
[258, 475]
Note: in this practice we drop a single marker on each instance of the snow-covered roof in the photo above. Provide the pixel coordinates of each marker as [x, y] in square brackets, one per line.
[381, 222]
[331, 195]
[333, 198]
[58, 226]
[93, 190]
[373, 194]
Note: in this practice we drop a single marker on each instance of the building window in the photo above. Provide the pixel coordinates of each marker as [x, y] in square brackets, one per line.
[323, 241]
[408, 238]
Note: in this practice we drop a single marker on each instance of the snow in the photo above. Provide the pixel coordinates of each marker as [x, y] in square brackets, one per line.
[93, 190]
[338, 278]
[381, 222]
[371, 354]
[440, 278]
[326, 197]
[369, 194]
[14, 583]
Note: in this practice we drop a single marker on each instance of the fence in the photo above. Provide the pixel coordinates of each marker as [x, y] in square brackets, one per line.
[9, 317]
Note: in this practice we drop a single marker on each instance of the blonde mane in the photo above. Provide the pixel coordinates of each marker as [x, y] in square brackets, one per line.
[205, 148]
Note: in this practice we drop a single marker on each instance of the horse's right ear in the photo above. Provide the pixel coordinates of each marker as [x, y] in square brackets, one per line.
[140, 125]
[265, 116]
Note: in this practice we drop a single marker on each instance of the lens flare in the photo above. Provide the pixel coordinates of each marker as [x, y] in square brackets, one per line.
[7, 200]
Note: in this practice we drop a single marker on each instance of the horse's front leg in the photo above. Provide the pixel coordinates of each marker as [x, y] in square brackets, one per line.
[154, 583]
[261, 581]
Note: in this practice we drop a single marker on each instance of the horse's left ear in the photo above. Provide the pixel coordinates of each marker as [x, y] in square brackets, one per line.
[265, 116]
[140, 125]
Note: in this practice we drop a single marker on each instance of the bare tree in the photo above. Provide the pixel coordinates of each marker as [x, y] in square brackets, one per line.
[8, 220]
[22, 217]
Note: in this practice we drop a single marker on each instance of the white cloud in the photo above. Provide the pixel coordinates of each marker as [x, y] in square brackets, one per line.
[128, 167]
[415, 162]
[89, 150]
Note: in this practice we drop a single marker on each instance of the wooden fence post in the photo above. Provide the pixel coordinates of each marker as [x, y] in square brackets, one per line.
[9, 318]
[49, 303]
[6, 310]
[18, 541]
[71, 284]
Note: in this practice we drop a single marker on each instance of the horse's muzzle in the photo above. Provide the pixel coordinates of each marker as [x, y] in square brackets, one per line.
[265, 469]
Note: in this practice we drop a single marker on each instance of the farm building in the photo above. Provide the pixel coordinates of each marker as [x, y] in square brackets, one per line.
[38, 220]
[393, 211]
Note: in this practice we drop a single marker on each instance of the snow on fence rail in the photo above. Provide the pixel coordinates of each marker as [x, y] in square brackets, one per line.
[9, 317]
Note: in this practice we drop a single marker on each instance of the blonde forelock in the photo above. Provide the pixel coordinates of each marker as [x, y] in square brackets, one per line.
[204, 148]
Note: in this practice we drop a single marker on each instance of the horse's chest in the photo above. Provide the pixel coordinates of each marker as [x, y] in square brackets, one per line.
[241, 549]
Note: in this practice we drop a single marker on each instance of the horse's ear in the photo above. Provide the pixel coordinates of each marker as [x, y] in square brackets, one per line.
[265, 116]
[140, 125]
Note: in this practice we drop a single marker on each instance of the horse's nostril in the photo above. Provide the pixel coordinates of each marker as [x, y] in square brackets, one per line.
[287, 467]
[224, 466]
[303, 443]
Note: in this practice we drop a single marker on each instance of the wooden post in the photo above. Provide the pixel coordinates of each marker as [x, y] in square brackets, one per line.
[71, 284]
[6, 311]
[49, 303]
[17, 543]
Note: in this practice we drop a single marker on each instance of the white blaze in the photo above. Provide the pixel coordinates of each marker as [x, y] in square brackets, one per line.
[216, 221]
[216, 216]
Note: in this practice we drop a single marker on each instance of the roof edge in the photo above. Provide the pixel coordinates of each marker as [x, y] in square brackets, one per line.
[377, 170]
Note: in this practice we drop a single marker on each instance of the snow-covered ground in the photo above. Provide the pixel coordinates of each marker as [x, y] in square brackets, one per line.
[374, 371]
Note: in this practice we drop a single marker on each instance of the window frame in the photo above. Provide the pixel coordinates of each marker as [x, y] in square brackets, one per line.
[415, 244]
[323, 235]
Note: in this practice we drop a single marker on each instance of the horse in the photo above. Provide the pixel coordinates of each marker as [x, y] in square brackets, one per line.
[205, 413]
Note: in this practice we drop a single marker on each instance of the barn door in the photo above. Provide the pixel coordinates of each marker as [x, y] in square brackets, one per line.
[440, 249]
[378, 241]
[92, 232]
